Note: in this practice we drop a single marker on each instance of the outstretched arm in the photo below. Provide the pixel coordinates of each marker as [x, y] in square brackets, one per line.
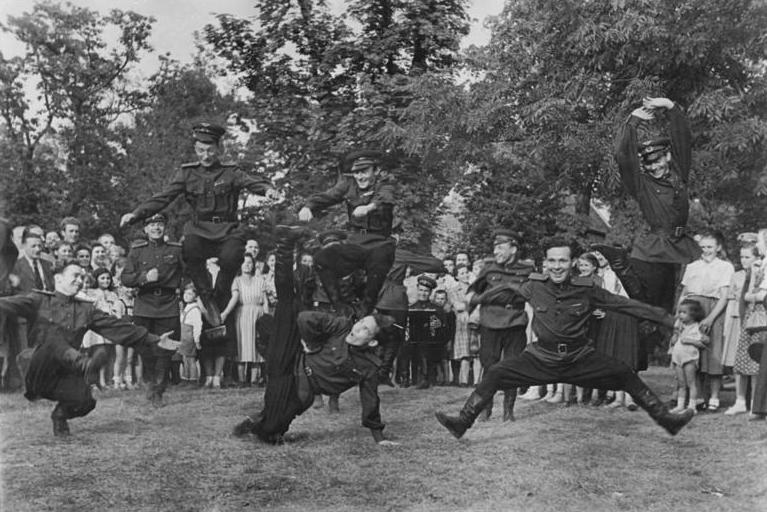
[627, 152]
[603, 299]
[323, 200]
[316, 327]
[158, 201]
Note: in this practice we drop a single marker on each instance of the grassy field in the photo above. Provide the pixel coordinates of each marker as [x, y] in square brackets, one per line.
[128, 456]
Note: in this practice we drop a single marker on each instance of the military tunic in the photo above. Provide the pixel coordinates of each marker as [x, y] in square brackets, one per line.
[157, 299]
[57, 323]
[502, 326]
[212, 192]
[664, 202]
[563, 352]
[332, 365]
[369, 245]
[156, 306]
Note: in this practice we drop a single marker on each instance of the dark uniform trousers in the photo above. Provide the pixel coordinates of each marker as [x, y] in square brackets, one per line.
[374, 253]
[500, 343]
[157, 361]
[229, 251]
[758, 354]
[583, 367]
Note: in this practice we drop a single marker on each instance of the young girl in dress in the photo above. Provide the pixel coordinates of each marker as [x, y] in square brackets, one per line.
[191, 328]
[107, 301]
[754, 315]
[685, 351]
[707, 280]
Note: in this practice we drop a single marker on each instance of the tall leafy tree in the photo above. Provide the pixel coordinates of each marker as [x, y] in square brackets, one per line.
[321, 87]
[80, 90]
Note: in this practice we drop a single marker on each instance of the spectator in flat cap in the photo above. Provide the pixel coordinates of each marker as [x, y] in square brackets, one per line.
[502, 326]
[655, 173]
[370, 205]
[213, 189]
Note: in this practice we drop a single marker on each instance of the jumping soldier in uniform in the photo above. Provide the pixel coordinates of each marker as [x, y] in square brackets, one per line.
[57, 321]
[154, 268]
[370, 205]
[502, 326]
[563, 307]
[655, 173]
[213, 189]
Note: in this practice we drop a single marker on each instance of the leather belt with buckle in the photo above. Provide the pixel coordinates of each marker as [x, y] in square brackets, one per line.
[562, 348]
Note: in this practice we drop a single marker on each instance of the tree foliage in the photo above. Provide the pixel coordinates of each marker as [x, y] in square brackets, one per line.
[322, 87]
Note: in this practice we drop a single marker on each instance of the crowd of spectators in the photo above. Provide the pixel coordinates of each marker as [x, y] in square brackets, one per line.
[720, 309]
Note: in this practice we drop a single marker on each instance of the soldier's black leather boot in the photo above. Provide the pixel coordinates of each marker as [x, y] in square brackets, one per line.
[60, 425]
[509, 399]
[658, 411]
[333, 404]
[618, 258]
[458, 425]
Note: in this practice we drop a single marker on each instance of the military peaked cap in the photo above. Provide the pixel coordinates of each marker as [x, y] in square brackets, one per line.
[157, 217]
[501, 236]
[427, 281]
[208, 133]
[362, 159]
[652, 150]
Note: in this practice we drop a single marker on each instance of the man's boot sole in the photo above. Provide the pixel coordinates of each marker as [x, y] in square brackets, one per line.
[444, 421]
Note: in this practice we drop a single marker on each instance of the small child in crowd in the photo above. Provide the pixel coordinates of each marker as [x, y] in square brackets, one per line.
[687, 342]
[191, 328]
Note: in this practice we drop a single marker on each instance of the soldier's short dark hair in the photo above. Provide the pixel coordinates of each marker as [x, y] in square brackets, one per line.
[559, 242]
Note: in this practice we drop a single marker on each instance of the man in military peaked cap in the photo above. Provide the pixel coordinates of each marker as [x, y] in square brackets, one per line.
[154, 268]
[655, 173]
[369, 202]
[502, 326]
[212, 188]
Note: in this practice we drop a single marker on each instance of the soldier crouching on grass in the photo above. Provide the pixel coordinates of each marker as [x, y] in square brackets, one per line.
[563, 306]
[56, 369]
[314, 352]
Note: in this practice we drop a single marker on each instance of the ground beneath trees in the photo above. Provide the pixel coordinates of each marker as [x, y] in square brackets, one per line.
[127, 456]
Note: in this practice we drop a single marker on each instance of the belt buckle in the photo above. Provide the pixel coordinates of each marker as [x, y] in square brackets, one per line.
[562, 348]
[216, 220]
[157, 292]
[679, 231]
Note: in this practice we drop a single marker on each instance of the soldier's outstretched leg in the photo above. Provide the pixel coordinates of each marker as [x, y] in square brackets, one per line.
[658, 411]
[619, 261]
[458, 425]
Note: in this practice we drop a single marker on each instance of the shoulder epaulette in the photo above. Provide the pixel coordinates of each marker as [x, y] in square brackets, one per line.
[173, 244]
[537, 276]
[80, 297]
[43, 292]
[139, 243]
[190, 165]
[582, 281]
[229, 164]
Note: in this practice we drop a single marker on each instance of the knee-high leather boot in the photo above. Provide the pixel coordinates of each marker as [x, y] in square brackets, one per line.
[658, 411]
[618, 259]
[509, 399]
[458, 425]
[60, 425]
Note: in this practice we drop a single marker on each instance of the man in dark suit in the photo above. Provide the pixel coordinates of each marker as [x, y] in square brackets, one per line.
[34, 273]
